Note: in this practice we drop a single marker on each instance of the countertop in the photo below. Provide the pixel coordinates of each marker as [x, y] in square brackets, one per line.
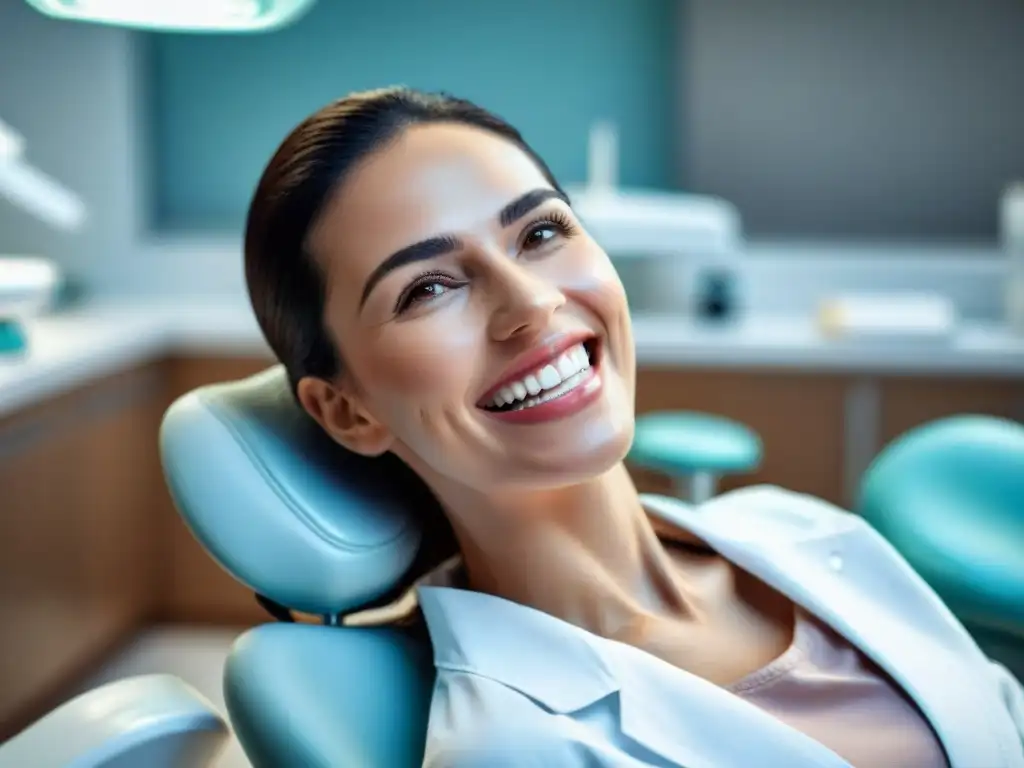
[71, 348]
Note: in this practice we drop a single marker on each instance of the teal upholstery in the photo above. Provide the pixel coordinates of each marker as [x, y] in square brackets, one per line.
[950, 497]
[279, 505]
[314, 528]
[694, 447]
[682, 443]
[318, 696]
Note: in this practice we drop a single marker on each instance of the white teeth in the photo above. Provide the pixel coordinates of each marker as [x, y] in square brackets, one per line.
[567, 366]
[553, 380]
[550, 394]
[549, 377]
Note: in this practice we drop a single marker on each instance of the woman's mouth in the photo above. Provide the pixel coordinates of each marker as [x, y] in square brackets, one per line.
[555, 389]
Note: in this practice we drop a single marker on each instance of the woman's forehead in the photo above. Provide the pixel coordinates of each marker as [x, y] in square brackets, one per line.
[432, 179]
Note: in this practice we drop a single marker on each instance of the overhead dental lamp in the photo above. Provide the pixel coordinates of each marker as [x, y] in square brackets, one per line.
[216, 16]
[28, 284]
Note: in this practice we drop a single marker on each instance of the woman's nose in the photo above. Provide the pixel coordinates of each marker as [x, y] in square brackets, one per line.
[523, 302]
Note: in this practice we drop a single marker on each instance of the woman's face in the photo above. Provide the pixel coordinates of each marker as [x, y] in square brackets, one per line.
[485, 336]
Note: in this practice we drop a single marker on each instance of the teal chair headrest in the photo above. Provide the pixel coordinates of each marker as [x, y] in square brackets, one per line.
[282, 507]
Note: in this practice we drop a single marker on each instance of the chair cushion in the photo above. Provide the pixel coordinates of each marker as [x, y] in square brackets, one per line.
[282, 507]
[322, 697]
[682, 443]
[950, 497]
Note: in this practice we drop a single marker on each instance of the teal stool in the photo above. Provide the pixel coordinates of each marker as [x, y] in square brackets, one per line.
[694, 449]
[949, 496]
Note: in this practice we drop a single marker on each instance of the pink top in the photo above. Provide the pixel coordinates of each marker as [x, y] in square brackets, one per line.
[824, 688]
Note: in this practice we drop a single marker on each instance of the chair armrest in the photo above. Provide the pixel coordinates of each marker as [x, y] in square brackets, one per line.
[153, 720]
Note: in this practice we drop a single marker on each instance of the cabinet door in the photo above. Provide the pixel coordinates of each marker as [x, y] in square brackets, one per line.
[911, 402]
[193, 588]
[798, 417]
[77, 476]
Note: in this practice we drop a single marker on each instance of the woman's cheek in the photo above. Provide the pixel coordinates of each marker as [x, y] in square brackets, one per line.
[425, 362]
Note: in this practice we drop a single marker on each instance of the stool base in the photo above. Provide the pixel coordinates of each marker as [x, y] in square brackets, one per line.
[698, 487]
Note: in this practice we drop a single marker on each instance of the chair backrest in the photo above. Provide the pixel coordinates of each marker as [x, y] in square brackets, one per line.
[314, 528]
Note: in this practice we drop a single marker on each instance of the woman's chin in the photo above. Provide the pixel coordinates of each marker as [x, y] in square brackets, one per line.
[587, 448]
[568, 468]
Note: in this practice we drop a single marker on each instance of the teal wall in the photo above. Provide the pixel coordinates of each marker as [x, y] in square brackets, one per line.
[219, 106]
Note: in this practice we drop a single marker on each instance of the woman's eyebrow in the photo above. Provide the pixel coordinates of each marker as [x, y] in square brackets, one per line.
[433, 247]
[523, 204]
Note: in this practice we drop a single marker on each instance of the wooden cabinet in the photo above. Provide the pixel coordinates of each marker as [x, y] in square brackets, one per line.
[799, 418]
[77, 544]
[911, 402]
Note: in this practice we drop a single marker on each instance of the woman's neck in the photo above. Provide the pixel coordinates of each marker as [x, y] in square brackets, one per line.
[586, 554]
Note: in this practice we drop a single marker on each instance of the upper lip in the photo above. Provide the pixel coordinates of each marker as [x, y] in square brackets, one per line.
[530, 361]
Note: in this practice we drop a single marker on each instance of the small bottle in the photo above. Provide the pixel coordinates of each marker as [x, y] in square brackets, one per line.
[1011, 228]
[716, 299]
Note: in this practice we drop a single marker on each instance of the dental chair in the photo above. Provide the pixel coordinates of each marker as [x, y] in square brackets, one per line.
[316, 530]
[949, 496]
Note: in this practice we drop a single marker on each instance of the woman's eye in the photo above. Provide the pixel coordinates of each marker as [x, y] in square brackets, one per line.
[428, 290]
[540, 235]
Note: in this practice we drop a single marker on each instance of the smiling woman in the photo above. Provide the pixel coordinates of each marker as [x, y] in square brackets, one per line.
[425, 263]
[433, 295]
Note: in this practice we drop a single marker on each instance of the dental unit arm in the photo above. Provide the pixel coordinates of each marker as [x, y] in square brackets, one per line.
[31, 189]
[28, 284]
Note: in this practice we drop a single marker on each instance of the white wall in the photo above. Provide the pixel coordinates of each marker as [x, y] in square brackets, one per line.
[70, 90]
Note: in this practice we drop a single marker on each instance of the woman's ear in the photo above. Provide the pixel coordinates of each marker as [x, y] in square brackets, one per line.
[339, 410]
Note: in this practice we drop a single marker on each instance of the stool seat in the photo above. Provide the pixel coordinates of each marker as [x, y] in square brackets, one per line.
[680, 443]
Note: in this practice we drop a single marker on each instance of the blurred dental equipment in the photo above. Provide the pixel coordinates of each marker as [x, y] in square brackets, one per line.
[667, 238]
[33, 191]
[632, 222]
[180, 15]
[1011, 230]
[28, 284]
[887, 317]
